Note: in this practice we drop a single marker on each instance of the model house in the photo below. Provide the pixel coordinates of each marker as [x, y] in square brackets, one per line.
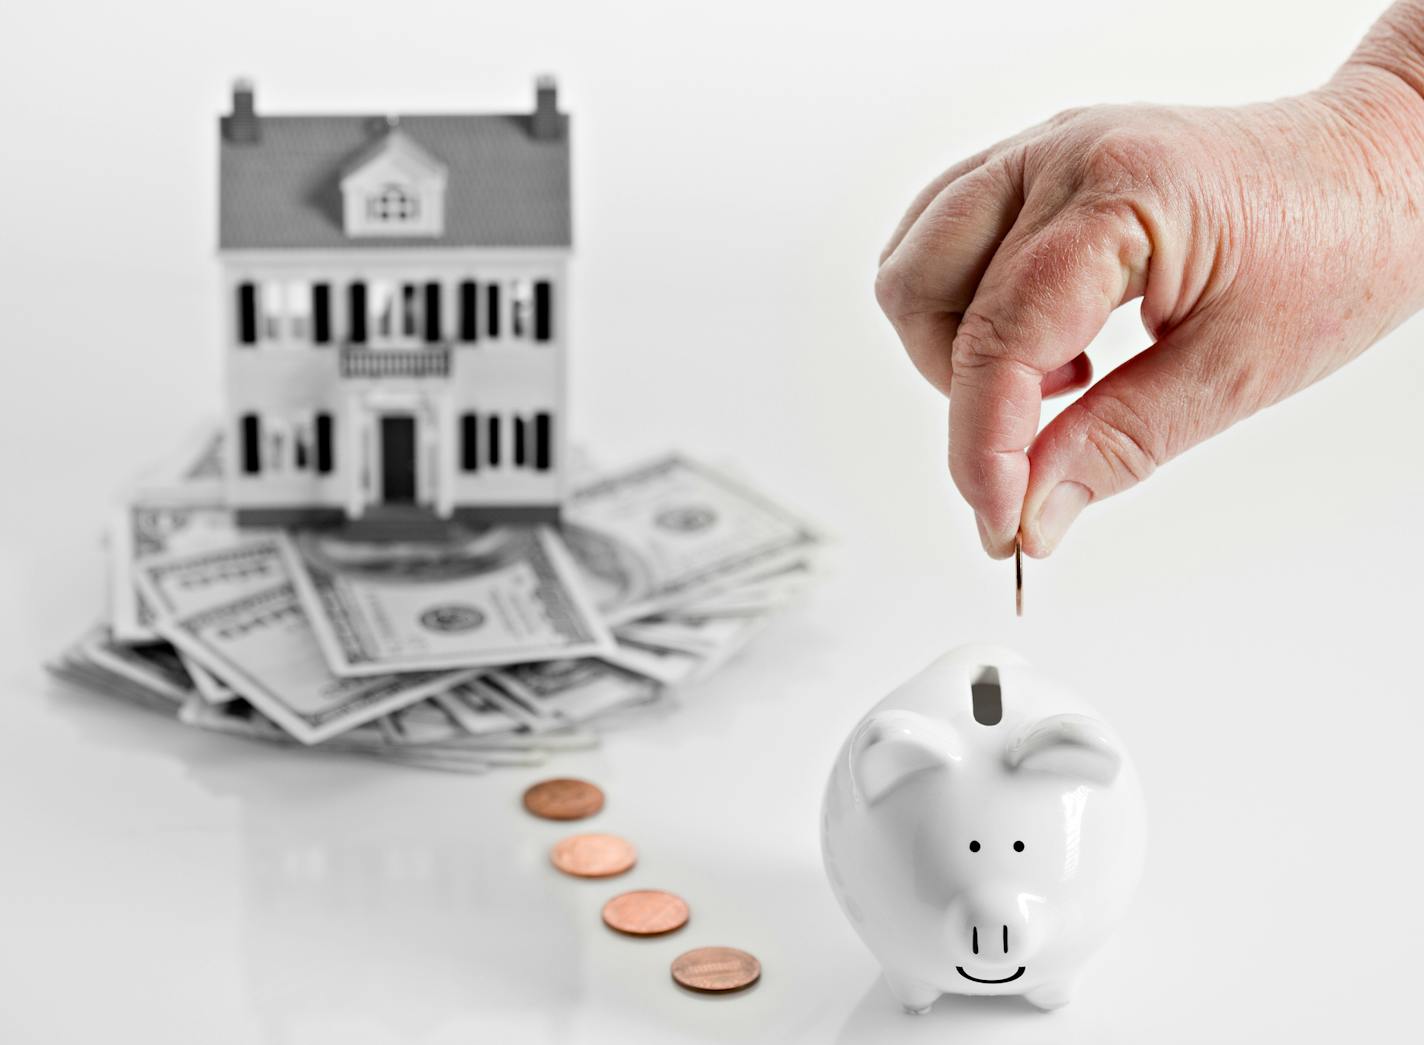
[394, 321]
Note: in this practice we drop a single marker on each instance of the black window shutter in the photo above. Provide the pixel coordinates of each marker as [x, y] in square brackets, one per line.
[432, 312]
[543, 447]
[321, 313]
[519, 441]
[493, 440]
[323, 442]
[251, 444]
[356, 307]
[492, 310]
[470, 442]
[468, 328]
[543, 317]
[247, 313]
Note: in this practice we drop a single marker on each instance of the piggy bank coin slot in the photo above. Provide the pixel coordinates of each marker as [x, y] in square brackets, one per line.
[988, 697]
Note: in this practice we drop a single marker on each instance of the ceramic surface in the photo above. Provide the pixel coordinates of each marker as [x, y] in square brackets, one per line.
[984, 831]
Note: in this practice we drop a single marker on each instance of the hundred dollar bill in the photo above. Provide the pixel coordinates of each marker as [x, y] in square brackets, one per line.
[672, 531]
[261, 643]
[242, 720]
[145, 529]
[500, 596]
[573, 690]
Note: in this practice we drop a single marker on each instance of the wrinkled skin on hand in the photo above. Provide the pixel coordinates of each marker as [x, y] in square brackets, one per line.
[1269, 244]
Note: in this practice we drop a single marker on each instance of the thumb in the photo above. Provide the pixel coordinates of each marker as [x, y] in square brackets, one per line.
[1189, 386]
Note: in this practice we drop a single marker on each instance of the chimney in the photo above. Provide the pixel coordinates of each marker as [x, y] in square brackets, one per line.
[548, 123]
[241, 127]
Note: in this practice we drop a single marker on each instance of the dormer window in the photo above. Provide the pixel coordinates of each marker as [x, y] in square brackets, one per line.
[393, 204]
[393, 187]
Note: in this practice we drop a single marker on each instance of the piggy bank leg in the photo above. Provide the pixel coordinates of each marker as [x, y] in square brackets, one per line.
[1053, 995]
[916, 996]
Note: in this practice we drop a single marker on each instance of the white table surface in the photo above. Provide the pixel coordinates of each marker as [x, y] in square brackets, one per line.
[1249, 620]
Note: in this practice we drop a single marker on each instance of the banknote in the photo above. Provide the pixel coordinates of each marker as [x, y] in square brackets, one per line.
[154, 666]
[669, 667]
[242, 720]
[261, 644]
[674, 530]
[142, 530]
[573, 691]
[498, 596]
[211, 688]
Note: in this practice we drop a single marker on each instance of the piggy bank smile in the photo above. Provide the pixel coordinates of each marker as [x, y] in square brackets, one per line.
[1002, 979]
[981, 822]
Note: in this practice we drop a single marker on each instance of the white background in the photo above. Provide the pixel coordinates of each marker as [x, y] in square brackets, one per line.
[1249, 620]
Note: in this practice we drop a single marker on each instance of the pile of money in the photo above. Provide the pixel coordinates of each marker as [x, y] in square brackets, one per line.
[486, 647]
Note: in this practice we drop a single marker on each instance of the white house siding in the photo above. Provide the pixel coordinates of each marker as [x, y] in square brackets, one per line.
[286, 382]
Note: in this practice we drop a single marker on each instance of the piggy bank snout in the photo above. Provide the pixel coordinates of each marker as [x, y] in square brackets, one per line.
[996, 927]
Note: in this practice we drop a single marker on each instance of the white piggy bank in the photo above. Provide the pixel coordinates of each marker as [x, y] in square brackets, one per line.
[983, 831]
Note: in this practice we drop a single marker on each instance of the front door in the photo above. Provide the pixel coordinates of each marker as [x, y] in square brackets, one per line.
[398, 459]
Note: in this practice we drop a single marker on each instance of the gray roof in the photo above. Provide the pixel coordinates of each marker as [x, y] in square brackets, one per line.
[505, 188]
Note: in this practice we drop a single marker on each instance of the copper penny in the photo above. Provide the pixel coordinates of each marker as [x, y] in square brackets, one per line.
[716, 969]
[593, 856]
[645, 912]
[563, 799]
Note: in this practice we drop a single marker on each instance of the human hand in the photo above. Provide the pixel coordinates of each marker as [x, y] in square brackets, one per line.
[1270, 244]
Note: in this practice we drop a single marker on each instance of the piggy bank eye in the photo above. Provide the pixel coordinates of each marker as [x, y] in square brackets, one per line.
[1018, 847]
[973, 847]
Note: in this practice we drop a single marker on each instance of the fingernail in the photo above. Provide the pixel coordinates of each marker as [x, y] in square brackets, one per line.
[1058, 511]
[997, 547]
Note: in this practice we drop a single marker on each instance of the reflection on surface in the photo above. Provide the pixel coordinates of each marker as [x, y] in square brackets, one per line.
[375, 905]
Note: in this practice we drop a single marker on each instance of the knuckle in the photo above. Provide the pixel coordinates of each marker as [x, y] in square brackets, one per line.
[1127, 442]
[977, 342]
[891, 289]
[1122, 157]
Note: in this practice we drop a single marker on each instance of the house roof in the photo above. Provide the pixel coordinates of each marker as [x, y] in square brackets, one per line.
[398, 145]
[504, 187]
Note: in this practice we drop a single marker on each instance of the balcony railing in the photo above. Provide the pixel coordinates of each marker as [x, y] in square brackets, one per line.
[429, 361]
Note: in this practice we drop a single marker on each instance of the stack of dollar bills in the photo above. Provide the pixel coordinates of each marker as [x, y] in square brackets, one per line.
[484, 647]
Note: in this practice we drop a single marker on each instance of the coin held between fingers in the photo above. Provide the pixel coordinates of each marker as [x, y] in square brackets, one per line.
[1018, 575]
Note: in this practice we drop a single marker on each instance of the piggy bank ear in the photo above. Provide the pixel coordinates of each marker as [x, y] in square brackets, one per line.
[1069, 745]
[891, 746]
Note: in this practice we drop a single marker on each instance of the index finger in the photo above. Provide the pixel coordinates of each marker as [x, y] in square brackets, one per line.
[1044, 297]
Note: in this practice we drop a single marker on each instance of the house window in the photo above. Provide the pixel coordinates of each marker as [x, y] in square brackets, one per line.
[519, 442]
[381, 309]
[470, 442]
[492, 309]
[493, 440]
[468, 329]
[301, 443]
[321, 313]
[323, 442]
[393, 204]
[251, 444]
[271, 301]
[521, 308]
[432, 312]
[247, 313]
[543, 310]
[356, 312]
[298, 302]
[277, 435]
[543, 442]
[410, 310]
